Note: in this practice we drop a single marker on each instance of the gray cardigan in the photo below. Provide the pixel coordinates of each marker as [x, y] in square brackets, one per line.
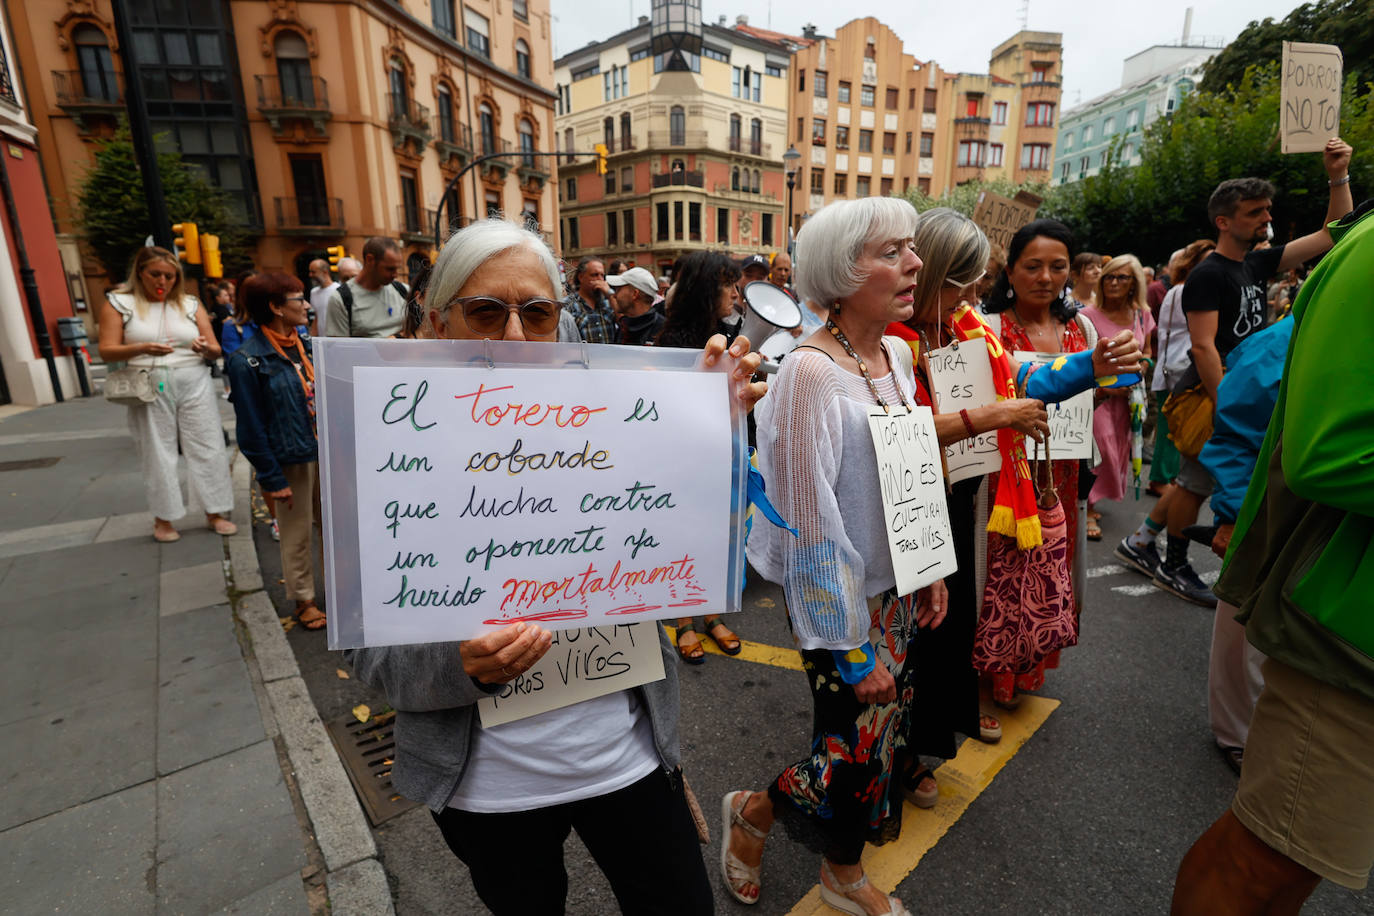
[435, 717]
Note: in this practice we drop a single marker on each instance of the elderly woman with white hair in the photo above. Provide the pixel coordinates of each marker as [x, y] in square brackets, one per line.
[506, 797]
[816, 454]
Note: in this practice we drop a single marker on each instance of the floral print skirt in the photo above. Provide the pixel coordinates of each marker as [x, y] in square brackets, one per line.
[846, 791]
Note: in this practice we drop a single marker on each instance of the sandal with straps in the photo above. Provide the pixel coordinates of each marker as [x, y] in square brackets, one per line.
[728, 642]
[839, 897]
[694, 654]
[735, 872]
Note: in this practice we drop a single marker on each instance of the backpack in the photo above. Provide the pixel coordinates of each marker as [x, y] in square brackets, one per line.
[346, 295]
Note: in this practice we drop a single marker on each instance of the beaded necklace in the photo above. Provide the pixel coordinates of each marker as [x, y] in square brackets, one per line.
[835, 332]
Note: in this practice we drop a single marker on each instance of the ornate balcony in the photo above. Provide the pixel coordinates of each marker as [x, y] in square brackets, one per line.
[318, 217]
[89, 96]
[299, 100]
[496, 169]
[457, 148]
[680, 178]
[417, 223]
[410, 125]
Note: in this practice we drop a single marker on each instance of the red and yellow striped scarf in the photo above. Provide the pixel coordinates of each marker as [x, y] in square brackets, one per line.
[1014, 512]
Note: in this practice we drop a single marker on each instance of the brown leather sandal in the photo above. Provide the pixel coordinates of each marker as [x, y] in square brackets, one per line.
[315, 621]
[694, 653]
[728, 642]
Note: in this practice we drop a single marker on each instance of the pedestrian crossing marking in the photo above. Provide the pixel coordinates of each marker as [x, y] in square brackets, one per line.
[1098, 572]
[1135, 591]
[961, 781]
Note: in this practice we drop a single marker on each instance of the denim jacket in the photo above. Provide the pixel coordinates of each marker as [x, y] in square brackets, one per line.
[274, 427]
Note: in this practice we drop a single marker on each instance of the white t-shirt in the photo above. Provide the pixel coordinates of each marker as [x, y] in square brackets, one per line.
[160, 323]
[1174, 342]
[564, 755]
[319, 301]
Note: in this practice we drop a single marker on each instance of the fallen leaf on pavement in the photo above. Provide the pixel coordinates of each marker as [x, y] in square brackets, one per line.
[343, 675]
[287, 623]
[362, 712]
[765, 602]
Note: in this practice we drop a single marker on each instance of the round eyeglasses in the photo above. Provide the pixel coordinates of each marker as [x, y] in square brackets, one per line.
[487, 315]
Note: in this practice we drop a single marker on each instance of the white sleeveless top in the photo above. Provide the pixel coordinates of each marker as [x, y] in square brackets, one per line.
[161, 324]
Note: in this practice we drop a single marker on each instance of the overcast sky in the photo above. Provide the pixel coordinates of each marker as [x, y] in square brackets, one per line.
[1096, 38]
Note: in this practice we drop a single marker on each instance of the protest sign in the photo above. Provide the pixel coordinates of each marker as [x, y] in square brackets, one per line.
[580, 664]
[915, 513]
[962, 380]
[470, 485]
[1309, 96]
[1071, 421]
[999, 217]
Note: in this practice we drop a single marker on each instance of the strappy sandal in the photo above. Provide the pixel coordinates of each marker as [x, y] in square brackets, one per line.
[989, 734]
[1093, 529]
[912, 791]
[694, 654]
[317, 622]
[839, 896]
[735, 872]
[730, 643]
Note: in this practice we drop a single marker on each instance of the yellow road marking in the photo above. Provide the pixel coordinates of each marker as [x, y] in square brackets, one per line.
[961, 781]
[755, 652]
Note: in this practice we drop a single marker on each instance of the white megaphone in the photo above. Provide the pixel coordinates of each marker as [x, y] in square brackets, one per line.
[768, 312]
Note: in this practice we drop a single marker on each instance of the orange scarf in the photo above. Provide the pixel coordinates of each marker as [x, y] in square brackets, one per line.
[1014, 512]
[305, 370]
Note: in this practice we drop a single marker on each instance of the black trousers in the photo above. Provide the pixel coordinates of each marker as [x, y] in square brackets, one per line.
[642, 837]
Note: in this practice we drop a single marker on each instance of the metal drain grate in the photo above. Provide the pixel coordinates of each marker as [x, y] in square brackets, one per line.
[366, 749]
[28, 464]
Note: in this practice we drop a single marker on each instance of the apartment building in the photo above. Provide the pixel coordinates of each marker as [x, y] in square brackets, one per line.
[325, 122]
[694, 118]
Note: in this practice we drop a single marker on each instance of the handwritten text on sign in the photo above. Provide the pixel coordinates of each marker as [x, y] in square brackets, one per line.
[913, 489]
[579, 665]
[962, 377]
[1071, 421]
[1310, 96]
[580, 497]
[999, 217]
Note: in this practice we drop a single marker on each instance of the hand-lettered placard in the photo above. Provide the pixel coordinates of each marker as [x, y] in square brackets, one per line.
[999, 217]
[1071, 421]
[461, 498]
[1310, 96]
[580, 664]
[962, 379]
[915, 512]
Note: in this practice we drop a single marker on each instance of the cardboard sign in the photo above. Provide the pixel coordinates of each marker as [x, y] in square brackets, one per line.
[999, 217]
[1310, 96]
[580, 664]
[460, 499]
[1071, 421]
[913, 488]
[962, 378]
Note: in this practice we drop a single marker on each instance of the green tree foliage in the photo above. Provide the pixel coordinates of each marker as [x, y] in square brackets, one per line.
[1161, 204]
[1348, 24]
[112, 210]
[964, 197]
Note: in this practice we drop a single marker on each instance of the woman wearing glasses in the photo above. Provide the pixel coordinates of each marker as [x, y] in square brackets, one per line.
[273, 383]
[1120, 307]
[505, 798]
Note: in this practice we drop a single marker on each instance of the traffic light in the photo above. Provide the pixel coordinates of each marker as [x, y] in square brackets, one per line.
[187, 242]
[209, 255]
[601, 152]
[336, 254]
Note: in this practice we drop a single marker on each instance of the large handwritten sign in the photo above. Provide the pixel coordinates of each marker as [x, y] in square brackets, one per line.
[962, 378]
[1071, 421]
[999, 217]
[915, 513]
[1309, 96]
[463, 499]
[579, 665]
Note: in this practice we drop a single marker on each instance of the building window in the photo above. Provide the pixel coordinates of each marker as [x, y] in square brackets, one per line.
[841, 136]
[522, 58]
[1064, 173]
[972, 103]
[801, 129]
[478, 40]
[625, 141]
[521, 10]
[891, 98]
[1040, 114]
[910, 103]
[772, 70]
[870, 51]
[312, 201]
[694, 222]
[756, 137]
[678, 221]
[713, 54]
[1082, 166]
[627, 179]
[661, 218]
[972, 153]
[443, 18]
[758, 184]
[841, 184]
[801, 79]
[766, 229]
[609, 181]
[866, 95]
[1132, 118]
[677, 126]
[995, 155]
[606, 86]
[526, 131]
[1068, 140]
[572, 189]
[612, 229]
[736, 132]
[400, 91]
[734, 179]
[862, 185]
[586, 72]
[1103, 158]
[908, 143]
[1035, 156]
[486, 124]
[629, 218]
[722, 226]
[608, 133]
[819, 87]
[410, 203]
[97, 68]
[1087, 134]
[1108, 127]
[889, 143]
[885, 187]
[745, 83]
[758, 86]
[818, 181]
[865, 141]
[1040, 71]
[444, 103]
[842, 92]
[293, 69]
[818, 131]
[999, 112]
[573, 241]
[927, 145]
[923, 185]
[569, 145]
[929, 104]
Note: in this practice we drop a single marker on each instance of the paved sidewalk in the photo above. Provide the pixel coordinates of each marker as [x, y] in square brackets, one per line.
[153, 765]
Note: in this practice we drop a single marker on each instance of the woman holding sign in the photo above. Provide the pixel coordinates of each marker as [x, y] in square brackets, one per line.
[818, 456]
[506, 797]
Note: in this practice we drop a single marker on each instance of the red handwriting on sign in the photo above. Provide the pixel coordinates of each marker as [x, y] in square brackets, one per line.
[532, 414]
[529, 592]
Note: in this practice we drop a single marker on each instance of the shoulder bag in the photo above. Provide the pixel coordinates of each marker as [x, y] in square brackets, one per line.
[133, 386]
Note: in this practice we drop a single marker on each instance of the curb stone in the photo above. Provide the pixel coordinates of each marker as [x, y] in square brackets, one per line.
[339, 825]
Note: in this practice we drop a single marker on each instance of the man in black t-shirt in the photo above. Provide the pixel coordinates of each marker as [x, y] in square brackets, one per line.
[1225, 302]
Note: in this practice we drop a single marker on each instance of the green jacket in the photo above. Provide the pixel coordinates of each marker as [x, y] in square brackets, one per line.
[1301, 563]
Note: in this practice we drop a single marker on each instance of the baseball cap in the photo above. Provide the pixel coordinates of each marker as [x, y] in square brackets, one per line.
[754, 260]
[637, 277]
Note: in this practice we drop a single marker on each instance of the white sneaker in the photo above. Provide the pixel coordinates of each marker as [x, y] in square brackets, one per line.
[276, 532]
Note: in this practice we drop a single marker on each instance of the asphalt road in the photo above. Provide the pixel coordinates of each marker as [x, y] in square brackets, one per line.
[1090, 816]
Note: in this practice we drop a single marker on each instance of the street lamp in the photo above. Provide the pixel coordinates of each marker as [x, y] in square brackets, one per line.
[789, 164]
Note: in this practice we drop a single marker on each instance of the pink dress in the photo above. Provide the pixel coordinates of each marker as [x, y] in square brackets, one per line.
[1112, 417]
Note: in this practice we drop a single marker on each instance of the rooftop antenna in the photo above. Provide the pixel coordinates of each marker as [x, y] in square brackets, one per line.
[1025, 14]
